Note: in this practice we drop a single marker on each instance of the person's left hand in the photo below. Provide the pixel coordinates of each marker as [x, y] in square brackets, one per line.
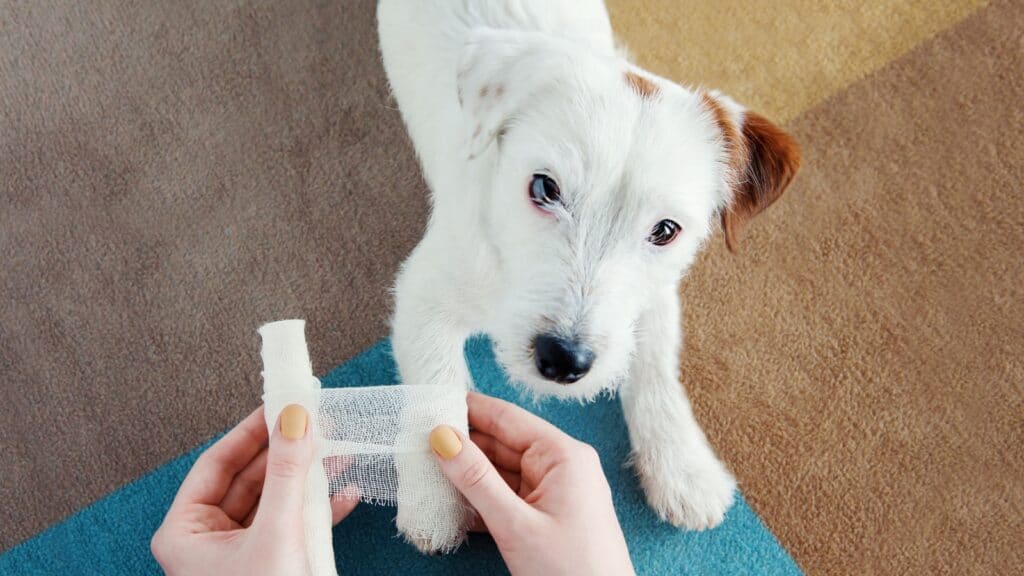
[239, 510]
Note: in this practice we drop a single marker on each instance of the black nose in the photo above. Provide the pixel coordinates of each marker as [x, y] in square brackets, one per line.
[561, 360]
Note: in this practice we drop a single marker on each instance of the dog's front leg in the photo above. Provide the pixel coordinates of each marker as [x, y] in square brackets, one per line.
[428, 341]
[682, 478]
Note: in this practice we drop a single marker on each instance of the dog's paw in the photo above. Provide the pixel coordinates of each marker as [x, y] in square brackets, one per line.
[433, 544]
[688, 493]
[432, 531]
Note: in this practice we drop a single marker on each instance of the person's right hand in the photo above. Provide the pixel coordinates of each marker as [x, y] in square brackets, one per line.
[541, 493]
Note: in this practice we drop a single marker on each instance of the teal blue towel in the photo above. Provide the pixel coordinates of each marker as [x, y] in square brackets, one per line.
[112, 535]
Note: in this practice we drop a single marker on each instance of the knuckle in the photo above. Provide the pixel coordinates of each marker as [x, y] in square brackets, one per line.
[585, 455]
[589, 454]
[284, 468]
[255, 436]
[568, 449]
[500, 420]
[475, 473]
[205, 460]
[157, 547]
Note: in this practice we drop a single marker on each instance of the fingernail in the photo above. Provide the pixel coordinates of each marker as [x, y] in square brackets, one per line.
[445, 442]
[293, 422]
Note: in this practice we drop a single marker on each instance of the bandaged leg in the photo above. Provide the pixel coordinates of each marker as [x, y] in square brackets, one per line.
[366, 438]
[431, 512]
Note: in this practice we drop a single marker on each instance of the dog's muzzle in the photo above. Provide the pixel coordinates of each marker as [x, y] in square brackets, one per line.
[563, 361]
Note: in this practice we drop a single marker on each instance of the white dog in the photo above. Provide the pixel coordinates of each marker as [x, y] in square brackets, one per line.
[571, 190]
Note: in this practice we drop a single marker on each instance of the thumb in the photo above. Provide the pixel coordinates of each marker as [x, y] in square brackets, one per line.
[476, 478]
[288, 459]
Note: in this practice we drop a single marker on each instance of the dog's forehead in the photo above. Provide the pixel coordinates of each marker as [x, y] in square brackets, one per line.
[648, 146]
[676, 151]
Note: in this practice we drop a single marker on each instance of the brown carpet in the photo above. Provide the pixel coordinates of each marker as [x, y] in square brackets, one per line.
[860, 362]
[174, 175]
[171, 178]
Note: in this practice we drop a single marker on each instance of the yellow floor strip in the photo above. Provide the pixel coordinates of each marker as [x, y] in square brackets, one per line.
[779, 57]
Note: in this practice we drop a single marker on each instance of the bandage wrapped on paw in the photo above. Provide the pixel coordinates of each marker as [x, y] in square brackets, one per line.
[366, 440]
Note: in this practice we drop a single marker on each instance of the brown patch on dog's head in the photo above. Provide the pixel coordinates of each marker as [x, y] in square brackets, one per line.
[642, 86]
[730, 134]
[762, 162]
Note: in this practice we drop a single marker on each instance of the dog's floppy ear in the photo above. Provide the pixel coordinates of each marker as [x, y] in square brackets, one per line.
[498, 72]
[762, 161]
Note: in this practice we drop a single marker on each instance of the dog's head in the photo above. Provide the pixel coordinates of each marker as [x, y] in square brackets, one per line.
[601, 181]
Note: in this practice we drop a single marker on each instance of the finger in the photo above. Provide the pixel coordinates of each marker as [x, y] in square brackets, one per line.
[344, 503]
[245, 489]
[506, 466]
[513, 479]
[478, 525]
[545, 456]
[288, 460]
[508, 423]
[501, 455]
[211, 476]
[249, 517]
[476, 478]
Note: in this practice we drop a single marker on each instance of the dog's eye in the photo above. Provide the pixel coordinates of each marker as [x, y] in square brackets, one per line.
[544, 191]
[663, 233]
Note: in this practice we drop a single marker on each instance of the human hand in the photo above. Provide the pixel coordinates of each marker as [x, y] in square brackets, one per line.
[239, 510]
[541, 494]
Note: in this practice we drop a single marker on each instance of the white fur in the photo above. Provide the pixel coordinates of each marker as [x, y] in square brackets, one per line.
[493, 92]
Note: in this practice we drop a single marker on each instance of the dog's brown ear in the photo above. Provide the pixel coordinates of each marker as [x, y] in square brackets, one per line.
[763, 160]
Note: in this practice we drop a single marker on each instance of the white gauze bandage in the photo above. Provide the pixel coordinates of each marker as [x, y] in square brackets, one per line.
[362, 437]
